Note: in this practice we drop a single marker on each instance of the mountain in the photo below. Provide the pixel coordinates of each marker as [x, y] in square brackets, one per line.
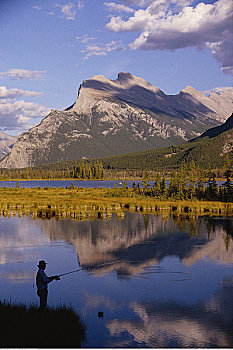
[213, 132]
[208, 149]
[119, 116]
[6, 144]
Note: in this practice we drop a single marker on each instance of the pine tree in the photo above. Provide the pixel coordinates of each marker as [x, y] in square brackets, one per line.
[163, 187]
[192, 180]
[172, 188]
[228, 192]
[181, 182]
[157, 186]
[212, 188]
[200, 184]
[145, 182]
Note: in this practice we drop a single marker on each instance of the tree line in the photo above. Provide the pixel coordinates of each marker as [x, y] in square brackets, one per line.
[80, 170]
[191, 183]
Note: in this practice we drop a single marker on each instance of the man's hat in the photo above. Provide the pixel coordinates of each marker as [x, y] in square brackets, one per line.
[41, 263]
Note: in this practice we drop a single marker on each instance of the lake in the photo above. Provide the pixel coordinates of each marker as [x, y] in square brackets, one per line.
[160, 280]
[77, 183]
[66, 183]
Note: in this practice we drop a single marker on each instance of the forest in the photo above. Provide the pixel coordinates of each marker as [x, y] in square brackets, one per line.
[189, 182]
[193, 183]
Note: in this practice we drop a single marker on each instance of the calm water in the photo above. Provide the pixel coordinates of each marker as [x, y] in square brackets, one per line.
[160, 282]
[77, 183]
[65, 183]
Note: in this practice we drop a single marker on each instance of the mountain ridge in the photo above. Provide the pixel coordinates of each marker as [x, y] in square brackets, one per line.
[118, 116]
[213, 132]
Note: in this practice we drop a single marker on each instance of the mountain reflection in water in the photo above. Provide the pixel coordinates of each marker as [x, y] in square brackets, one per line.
[142, 240]
[160, 280]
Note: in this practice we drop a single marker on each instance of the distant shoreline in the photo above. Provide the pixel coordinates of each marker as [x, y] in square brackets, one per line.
[111, 179]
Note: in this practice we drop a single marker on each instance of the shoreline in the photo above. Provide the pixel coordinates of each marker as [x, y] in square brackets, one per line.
[111, 179]
[86, 203]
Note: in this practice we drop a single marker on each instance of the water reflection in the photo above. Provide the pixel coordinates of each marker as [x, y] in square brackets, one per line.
[128, 246]
[160, 280]
[16, 236]
[173, 324]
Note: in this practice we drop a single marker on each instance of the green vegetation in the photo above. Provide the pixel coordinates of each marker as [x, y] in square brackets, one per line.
[134, 166]
[64, 170]
[190, 184]
[29, 327]
[205, 153]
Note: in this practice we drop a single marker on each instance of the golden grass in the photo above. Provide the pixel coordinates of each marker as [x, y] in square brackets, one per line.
[83, 203]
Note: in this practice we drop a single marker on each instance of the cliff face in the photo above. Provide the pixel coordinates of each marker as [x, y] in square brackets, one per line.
[6, 143]
[119, 116]
[218, 130]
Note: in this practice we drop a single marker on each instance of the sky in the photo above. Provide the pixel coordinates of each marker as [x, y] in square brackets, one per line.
[48, 47]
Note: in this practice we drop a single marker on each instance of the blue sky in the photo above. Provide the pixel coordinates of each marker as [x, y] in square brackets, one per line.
[48, 48]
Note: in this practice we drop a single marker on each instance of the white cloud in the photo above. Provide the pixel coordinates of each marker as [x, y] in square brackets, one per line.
[36, 8]
[16, 93]
[70, 9]
[20, 74]
[112, 6]
[102, 50]
[84, 39]
[222, 51]
[20, 115]
[171, 25]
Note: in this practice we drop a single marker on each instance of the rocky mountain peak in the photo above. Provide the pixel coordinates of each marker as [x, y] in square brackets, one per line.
[127, 80]
[193, 92]
[118, 116]
[123, 83]
[125, 76]
[126, 87]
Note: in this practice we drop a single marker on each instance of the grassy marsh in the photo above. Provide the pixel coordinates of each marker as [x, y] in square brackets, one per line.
[83, 203]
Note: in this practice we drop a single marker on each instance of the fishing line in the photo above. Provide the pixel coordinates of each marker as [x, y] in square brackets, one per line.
[67, 273]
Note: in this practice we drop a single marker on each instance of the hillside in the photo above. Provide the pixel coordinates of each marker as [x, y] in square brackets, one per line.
[119, 116]
[205, 150]
[213, 132]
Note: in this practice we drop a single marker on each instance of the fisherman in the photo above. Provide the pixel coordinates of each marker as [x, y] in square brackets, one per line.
[42, 281]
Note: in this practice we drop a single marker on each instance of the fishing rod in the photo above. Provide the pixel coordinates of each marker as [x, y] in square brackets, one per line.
[67, 273]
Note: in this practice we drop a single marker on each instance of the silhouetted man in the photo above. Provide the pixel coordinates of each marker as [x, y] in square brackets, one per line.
[42, 281]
